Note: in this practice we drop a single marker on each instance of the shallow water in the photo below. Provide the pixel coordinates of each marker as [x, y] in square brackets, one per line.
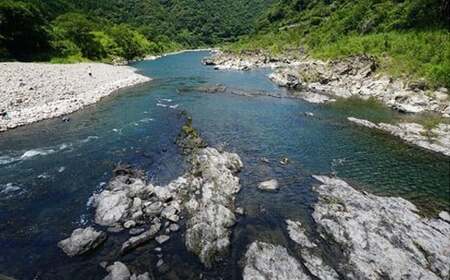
[49, 170]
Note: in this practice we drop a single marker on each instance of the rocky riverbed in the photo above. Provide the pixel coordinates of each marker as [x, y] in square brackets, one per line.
[356, 235]
[36, 91]
[201, 202]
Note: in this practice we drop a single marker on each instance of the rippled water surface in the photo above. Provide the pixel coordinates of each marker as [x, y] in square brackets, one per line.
[49, 170]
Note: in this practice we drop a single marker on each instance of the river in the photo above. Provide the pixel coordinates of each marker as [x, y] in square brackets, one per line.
[49, 170]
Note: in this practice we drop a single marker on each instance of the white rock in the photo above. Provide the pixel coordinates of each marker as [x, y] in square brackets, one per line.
[81, 241]
[270, 185]
[162, 239]
[118, 271]
[267, 261]
[381, 237]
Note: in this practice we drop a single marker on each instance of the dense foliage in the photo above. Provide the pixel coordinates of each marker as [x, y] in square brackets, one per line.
[411, 37]
[68, 30]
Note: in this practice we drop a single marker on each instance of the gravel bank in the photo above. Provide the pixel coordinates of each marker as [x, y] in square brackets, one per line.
[31, 92]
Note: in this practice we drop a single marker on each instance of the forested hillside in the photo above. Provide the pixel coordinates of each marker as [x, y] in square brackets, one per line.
[410, 37]
[67, 30]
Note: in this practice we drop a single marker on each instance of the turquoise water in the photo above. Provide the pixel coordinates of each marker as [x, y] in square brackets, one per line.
[49, 170]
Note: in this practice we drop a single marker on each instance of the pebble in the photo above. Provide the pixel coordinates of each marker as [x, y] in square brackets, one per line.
[162, 239]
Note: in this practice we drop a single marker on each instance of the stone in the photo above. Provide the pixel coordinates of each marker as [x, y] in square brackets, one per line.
[153, 209]
[136, 231]
[117, 271]
[174, 227]
[82, 241]
[240, 211]
[170, 213]
[129, 224]
[140, 239]
[270, 185]
[162, 239]
[267, 261]
[284, 161]
[159, 263]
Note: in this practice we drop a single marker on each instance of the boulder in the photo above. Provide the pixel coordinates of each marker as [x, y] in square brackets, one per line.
[270, 185]
[82, 241]
[117, 271]
[267, 261]
[140, 239]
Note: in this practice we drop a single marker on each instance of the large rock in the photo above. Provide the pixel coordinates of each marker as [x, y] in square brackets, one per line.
[118, 271]
[310, 252]
[140, 239]
[208, 228]
[81, 241]
[380, 237]
[265, 261]
[270, 185]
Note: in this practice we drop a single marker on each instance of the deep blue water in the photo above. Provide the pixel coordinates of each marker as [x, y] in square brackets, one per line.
[49, 170]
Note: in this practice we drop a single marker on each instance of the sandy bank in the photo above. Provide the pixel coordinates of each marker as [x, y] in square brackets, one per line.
[31, 92]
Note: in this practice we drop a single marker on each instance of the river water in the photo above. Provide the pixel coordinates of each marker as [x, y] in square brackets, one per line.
[49, 170]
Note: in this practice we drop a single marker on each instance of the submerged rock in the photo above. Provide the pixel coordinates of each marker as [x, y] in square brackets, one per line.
[380, 237]
[270, 185]
[267, 261]
[82, 241]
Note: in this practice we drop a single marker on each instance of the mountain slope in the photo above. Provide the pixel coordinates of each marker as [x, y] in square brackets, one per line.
[410, 37]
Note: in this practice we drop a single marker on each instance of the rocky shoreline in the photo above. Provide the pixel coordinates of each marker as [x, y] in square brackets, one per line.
[436, 139]
[323, 82]
[377, 237]
[32, 92]
[354, 76]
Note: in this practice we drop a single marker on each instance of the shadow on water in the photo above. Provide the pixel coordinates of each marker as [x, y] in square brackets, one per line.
[49, 170]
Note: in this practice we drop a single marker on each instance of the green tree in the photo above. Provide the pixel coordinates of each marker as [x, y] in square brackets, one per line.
[22, 29]
[130, 43]
[73, 29]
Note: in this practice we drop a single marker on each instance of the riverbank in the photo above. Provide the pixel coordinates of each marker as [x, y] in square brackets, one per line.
[325, 81]
[32, 92]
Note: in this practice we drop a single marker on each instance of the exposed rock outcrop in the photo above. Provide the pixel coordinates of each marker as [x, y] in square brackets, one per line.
[380, 237]
[205, 194]
[211, 214]
[267, 261]
[310, 253]
[436, 139]
[82, 241]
